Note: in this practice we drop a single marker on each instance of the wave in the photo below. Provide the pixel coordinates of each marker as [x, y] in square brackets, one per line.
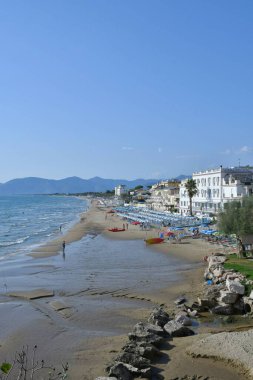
[18, 241]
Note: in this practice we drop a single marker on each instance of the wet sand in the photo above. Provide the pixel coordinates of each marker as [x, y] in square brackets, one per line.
[88, 314]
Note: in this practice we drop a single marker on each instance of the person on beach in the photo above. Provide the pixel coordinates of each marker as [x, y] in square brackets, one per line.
[60, 227]
[63, 246]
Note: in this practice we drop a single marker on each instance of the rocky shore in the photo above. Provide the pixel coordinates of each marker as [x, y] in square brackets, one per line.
[225, 295]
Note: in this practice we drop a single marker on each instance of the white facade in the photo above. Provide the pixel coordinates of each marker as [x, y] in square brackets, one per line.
[215, 188]
[120, 189]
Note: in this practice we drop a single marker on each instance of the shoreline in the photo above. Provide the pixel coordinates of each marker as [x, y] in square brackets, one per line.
[96, 221]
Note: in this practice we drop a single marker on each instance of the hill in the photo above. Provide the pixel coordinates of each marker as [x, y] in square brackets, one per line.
[35, 185]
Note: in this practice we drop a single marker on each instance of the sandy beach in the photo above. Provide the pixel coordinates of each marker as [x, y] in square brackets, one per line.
[61, 304]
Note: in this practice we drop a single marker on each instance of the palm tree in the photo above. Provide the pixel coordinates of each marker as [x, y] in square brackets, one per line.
[192, 190]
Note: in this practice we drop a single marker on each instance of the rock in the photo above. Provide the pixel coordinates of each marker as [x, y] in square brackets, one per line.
[175, 329]
[222, 310]
[146, 350]
[214, 260]
[228, 297]
[218, 272]
[159, 317]
[121, 371]
[239, 306]
[213, 292]
[145, 337]
[133, 359]
[251, 295]
[183, 319]
[180, 300]
[148, 327]
[105, 378]
[235, 286]
[125, 371]
[206, 303]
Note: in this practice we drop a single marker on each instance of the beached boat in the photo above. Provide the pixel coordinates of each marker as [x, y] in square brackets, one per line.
[116, 229]
[154, 240]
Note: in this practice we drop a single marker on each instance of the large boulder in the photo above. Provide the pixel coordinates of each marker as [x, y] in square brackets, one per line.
[143, 349]
[222, 310]
[228, 297]
[205, 303]
[235, 286]
[175, 329]
[213, 292]
[125, 371]
[146, 337]
[183, 319]
[141, 327]
[134, 359]
[214, 260]
[159, 317]
[239, 306]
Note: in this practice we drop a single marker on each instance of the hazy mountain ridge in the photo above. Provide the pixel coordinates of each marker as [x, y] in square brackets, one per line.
[35, 185]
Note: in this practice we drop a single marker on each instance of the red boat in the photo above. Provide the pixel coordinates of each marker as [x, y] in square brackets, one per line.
[116, 229]
[154, 240]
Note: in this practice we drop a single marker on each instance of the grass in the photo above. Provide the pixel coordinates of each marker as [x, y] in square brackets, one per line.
[244, 266]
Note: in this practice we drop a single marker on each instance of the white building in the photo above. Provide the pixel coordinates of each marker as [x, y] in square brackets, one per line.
[215, 188]
[120, 189]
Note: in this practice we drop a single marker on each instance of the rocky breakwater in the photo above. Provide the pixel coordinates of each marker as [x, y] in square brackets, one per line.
[144, 346]
[225, 293]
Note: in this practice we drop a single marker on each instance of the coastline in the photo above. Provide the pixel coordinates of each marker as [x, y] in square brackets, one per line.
[87, 351]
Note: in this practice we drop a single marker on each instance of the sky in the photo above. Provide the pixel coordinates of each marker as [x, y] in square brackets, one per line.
[124, 89]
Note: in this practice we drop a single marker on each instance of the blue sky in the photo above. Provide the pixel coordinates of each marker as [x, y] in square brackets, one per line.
[124, 89]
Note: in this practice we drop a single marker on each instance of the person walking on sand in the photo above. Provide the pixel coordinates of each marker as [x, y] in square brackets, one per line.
[63, 246]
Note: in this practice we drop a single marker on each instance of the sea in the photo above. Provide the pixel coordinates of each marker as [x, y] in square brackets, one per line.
[27, 221]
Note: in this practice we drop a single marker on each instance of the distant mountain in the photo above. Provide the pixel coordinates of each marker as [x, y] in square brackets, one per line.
[34, 185]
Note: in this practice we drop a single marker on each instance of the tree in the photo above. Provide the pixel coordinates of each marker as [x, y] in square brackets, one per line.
[237, 218]
[139, 187]
[192, 190]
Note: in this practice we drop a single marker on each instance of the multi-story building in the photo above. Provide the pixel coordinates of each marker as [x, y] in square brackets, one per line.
[120, 189]
[215, 188]
[164, 196]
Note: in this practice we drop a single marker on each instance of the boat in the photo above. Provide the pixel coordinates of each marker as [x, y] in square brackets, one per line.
[154, 240]
[116, 229]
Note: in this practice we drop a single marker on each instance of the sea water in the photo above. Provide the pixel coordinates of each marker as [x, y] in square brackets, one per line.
[27, 221]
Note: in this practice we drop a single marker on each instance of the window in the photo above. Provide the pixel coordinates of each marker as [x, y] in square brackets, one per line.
[209, 181]
[214, 192]
[217, 181]
[213, 181]
[218, 192]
